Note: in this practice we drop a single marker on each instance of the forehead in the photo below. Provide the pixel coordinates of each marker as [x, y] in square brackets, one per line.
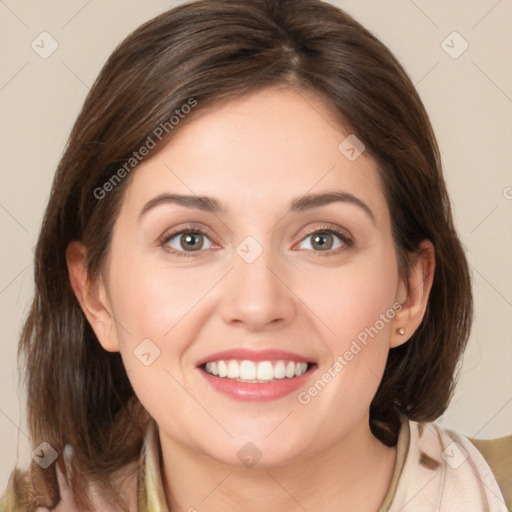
[260, 149]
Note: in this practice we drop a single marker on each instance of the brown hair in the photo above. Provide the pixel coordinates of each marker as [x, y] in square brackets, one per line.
[211, 51]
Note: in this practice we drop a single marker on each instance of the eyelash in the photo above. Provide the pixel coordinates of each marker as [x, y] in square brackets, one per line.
[192, 229]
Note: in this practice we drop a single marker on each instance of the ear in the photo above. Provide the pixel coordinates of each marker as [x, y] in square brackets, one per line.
[92, 296]
[413, 295]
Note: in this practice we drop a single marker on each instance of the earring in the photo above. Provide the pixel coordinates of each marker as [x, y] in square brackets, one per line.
[401, 331]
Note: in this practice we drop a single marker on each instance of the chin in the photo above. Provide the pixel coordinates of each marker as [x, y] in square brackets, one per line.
[253, 451]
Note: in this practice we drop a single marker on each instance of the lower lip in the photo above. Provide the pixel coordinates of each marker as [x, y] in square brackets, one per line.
[256, 391]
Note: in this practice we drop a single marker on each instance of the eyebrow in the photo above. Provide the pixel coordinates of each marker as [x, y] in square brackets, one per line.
[212, 205]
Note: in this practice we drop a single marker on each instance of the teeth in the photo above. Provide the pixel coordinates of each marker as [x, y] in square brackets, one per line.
[247, 370]
[223, 369]
[279, 370]
[265, 371]
[251, 371]
[233, 370]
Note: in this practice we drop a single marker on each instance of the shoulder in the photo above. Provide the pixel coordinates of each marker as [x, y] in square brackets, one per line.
[39, 489]
[463, 466]
[35, 489]
[28, 491]
[498, 454]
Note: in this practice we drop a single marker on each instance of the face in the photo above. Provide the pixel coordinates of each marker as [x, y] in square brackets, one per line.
[270, 282]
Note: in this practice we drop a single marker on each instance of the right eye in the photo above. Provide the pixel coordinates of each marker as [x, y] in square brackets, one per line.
[183, 241]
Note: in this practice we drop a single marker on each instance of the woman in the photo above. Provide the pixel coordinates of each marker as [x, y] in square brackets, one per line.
[249, 290]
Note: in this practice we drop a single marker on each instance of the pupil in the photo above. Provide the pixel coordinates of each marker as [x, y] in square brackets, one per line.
[190, 239]
[321, 244]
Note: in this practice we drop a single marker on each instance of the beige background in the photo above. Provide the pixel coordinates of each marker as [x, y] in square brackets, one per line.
[469, 99]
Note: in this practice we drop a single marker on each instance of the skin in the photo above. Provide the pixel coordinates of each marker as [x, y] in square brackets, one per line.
[256, 154]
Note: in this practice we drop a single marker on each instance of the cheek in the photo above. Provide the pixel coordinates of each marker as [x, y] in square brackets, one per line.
[359, 314]
[157, 311]
[150, 306]
[152, 299]
[353, 299]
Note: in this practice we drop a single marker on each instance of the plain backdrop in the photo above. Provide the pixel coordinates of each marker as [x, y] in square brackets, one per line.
[457, 52]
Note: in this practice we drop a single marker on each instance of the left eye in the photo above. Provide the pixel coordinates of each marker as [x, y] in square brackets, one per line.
[325, 239]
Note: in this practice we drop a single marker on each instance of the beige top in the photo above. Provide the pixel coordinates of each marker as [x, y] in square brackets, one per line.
[436, 470]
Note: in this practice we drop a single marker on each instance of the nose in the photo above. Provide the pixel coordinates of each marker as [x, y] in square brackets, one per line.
[257, 295]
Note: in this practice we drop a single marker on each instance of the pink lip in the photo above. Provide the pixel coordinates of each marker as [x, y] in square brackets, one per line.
[247, 391]
[254, 355]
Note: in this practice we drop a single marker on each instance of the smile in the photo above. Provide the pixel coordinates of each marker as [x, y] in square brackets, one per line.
[262, 375]
[255, 371]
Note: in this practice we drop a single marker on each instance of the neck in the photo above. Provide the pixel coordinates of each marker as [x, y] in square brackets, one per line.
[338, 478]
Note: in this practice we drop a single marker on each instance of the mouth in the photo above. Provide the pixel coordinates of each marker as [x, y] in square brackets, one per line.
[250, 375]
[256, 371]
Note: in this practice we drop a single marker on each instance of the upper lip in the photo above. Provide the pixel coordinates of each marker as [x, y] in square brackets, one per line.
[254, 355]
